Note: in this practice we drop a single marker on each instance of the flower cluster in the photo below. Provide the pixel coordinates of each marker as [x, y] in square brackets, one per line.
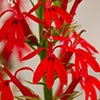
[55, 25]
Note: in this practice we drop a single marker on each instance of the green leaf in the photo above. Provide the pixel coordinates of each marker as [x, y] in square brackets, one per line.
[40, 83]
[26, 97]
[32, 3]
[72, 96]
[57, 3]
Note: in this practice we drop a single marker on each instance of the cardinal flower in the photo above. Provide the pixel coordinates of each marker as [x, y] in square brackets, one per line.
[83, 60]
[80, 55]
[6, 53]
[5, 90]
[10, 32]
[15, 29]
[90, 91]
[87, 46]
[74, 7]
[52, 12]
[50, 65]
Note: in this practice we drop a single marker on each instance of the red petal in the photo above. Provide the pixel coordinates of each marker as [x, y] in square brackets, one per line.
[20, 35]
[77, 67]
[34, 18]
[64, 4]
[11, 37]
[85, 44]
[60, 89]
[56, 19]
[6, 53]
[61, 72]
[3, 93]
[95, 81]
[9, 94]
[6, 12]
[47, 17]
[36, 6]
[90, 46]
[40, 70]
[83, 66]
[73, 10]
[32, 54]
[93, 92]
[86, 91]
[23, 68]
[90, 60]
[5, 28]
[1, 77]
[63, 14]
[27, 31]
[85, 47]
[50, 74]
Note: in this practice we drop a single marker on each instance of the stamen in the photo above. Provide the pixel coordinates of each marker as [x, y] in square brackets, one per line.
[11, 2]
[50, 39]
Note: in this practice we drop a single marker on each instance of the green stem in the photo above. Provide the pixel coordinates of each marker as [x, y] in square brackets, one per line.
[40, 16]
[47, 93]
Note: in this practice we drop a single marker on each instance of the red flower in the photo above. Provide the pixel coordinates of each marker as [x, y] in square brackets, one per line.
[6, 53]
[52, 11]
[82, 58]
[15, 29]
[5, 90]
[70, 89]
[87, 46]
[50, 64]
[59, 91]
[4, 85]
[10, 32]
[89, 59]
[90, 82]
[75, 5]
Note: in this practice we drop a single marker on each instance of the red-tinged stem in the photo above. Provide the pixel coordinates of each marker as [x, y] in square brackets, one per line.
[50, 46]
[65, 59]
[64, 4]
[71, 88]
[25, 91]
